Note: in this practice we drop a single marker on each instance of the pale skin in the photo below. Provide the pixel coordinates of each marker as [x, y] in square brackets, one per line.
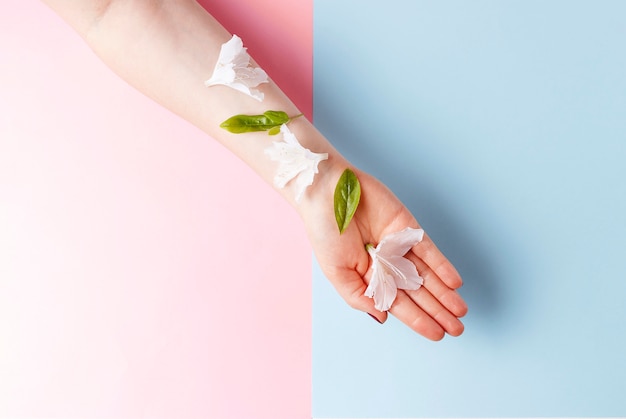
[167, 48]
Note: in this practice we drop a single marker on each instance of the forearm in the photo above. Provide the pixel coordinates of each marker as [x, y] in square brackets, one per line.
[167, 49]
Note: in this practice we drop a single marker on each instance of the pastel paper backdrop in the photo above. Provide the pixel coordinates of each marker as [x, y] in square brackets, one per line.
[502, 125]
[139, 260]
[507, 142]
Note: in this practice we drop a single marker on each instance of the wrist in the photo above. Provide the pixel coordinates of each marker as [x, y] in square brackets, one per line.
[316, 207]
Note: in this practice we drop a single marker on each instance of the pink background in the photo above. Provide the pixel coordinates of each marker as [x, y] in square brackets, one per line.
[144, 271]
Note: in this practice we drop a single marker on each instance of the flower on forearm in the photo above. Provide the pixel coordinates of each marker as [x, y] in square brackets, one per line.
[390, 269]
[233, 69]
[294, 161]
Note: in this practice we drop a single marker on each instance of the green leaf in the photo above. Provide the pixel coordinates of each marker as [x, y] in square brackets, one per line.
[251, 123]
[274, 131]
[347, 197]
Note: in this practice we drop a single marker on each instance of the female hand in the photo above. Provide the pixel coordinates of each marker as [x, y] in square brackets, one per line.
[433, 309]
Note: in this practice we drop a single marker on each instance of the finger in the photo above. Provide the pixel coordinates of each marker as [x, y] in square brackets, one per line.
[448, 297]
[431, 306]
[405, 309]
[350, 286]
[427, 251]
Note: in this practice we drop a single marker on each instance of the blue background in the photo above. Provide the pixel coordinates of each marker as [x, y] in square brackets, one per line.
[502, 126]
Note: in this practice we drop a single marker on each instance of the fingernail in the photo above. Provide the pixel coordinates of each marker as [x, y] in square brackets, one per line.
[375, 318]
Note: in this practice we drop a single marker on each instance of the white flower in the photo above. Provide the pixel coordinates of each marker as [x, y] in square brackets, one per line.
[391, 270]
[233, 69]
[294, 161]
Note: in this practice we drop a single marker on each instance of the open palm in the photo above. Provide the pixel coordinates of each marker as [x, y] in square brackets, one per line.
[432, 310]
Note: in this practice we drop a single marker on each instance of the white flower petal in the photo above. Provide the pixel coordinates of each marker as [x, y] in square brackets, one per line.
[221, 75]
[390, 269]
[289, 137]
[290, 163]
[398, 244]
[404, 272]
[231, 52]
[294, 161]
[382, 288]
[233, 70]
[304, 180]
[251, 76]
